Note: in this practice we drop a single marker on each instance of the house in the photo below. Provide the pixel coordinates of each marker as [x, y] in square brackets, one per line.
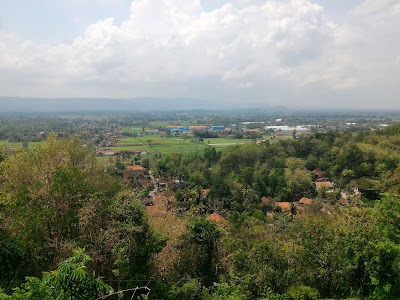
[285, 206]
[305, 201]
[343, 201]
[320, 185]
[217, 128]
[198, 127]
[175, 183]
[216, 217]
[318, 172]
[165, 200]
[205, 192]
[301, 134]
[287, 128]
[265, 200]
[168, 193]
[127, 175]
[136, 169]
[106, 153]
[255, 130]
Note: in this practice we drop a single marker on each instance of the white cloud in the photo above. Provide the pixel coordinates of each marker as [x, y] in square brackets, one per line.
[175, 48]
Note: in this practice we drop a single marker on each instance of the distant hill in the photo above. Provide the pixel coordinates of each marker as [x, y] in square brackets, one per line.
[17, 104]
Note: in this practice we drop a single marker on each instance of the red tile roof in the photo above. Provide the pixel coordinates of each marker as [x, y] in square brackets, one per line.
[198, 127]
[135, 168]
[305, 200]
[205, 191]
[283, 205]
[216, 217]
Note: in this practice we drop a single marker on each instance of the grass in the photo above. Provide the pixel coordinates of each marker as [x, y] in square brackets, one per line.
[173, 143]
[17, 146]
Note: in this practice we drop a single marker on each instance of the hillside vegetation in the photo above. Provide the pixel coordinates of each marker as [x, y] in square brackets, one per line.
[70, 230]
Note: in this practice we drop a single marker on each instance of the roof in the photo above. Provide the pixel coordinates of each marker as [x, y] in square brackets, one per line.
[166, 194]
[198, 127]
[343, 201]
[318, 172]
[265, 200]
[205, 191]
[107, 152]
[305, 200]
[169, 193]
[284, 205]
[327, 184]
[216, 217]
[134, 168]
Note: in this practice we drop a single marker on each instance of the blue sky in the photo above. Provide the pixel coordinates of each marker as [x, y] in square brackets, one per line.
[300, 53]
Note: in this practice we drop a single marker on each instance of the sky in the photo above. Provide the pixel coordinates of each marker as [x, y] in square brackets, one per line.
[298, 53]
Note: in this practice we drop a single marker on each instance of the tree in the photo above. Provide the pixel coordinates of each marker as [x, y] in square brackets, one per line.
[199, 246]
[44, 191]
[71, 280]
[57, 198]
[299, 182]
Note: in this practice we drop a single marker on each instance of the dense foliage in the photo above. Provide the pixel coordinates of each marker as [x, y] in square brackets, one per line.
[56, 199]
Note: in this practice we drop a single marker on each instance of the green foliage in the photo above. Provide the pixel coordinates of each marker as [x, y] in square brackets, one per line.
[190, 290]
[71, 280]
[388, 216]
[57, 198]
[134, 241]
[199, 246]
[302, 292]
[225, 290]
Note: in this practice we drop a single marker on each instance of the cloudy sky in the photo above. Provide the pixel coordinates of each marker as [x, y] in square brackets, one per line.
[310, 54]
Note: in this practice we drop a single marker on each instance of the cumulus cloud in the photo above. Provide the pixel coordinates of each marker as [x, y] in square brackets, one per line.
[263, 50]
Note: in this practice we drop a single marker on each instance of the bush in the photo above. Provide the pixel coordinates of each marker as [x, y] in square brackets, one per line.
[302, 292]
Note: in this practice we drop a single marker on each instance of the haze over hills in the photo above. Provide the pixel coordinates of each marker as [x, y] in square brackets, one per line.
[17, 104]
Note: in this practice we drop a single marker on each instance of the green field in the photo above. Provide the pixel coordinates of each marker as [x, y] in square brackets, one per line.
[156, 143]
[16, 146]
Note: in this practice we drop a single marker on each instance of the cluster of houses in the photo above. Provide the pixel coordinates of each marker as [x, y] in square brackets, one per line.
[164, 202]
[135, 172]
[288, 206]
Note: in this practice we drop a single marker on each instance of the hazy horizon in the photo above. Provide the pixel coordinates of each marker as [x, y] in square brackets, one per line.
[301, 54]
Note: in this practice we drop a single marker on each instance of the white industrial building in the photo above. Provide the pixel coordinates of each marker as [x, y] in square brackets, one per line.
[287, 128]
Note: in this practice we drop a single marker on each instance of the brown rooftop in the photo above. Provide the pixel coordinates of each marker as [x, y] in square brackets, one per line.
[265, 200]
[305, 200]
[318, 172]
[216, 217]
[135, 168]
[205, 192]
[327, 184]
[343, 201]
[168, 193]
[284, 205]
